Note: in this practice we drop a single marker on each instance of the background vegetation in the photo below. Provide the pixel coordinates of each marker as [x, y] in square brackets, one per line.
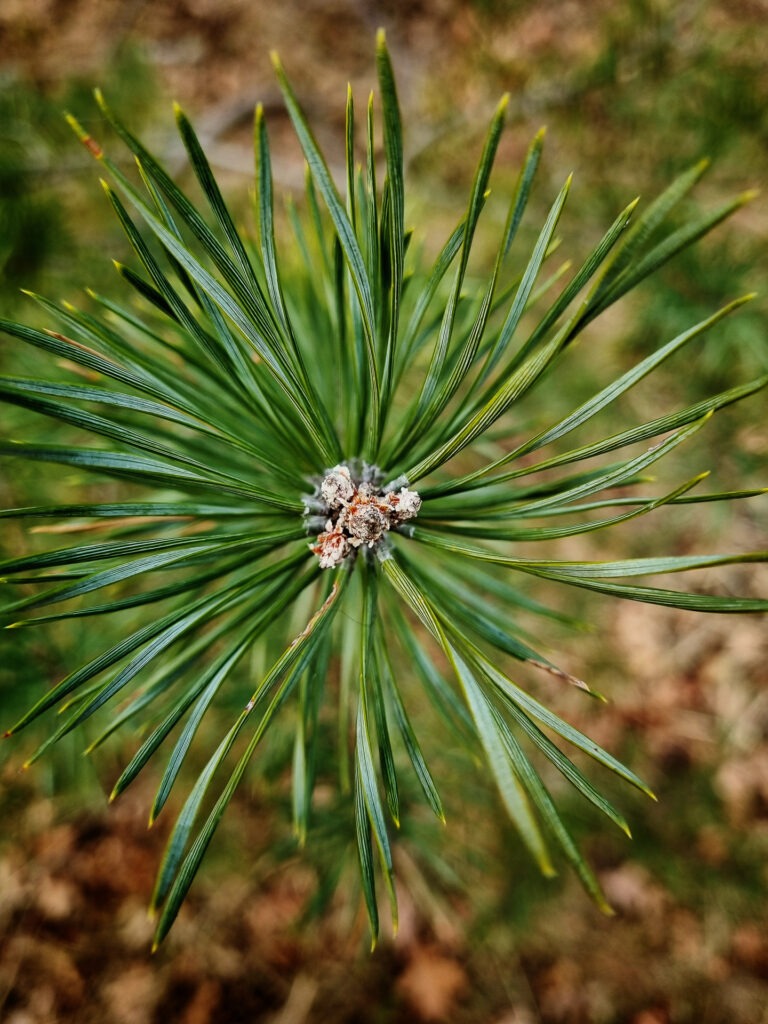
[631, 95]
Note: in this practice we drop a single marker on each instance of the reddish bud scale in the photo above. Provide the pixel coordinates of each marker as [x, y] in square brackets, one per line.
[359, 514]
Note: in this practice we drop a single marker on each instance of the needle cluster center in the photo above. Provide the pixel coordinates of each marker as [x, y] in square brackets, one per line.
[359, 512]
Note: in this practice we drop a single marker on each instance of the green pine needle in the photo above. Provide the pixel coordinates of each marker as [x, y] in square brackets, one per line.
[268, 405]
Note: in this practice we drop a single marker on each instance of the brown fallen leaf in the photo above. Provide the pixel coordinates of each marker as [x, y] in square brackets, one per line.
[432, 982]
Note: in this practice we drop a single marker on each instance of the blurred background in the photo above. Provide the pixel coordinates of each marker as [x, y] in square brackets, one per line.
[631, 94]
